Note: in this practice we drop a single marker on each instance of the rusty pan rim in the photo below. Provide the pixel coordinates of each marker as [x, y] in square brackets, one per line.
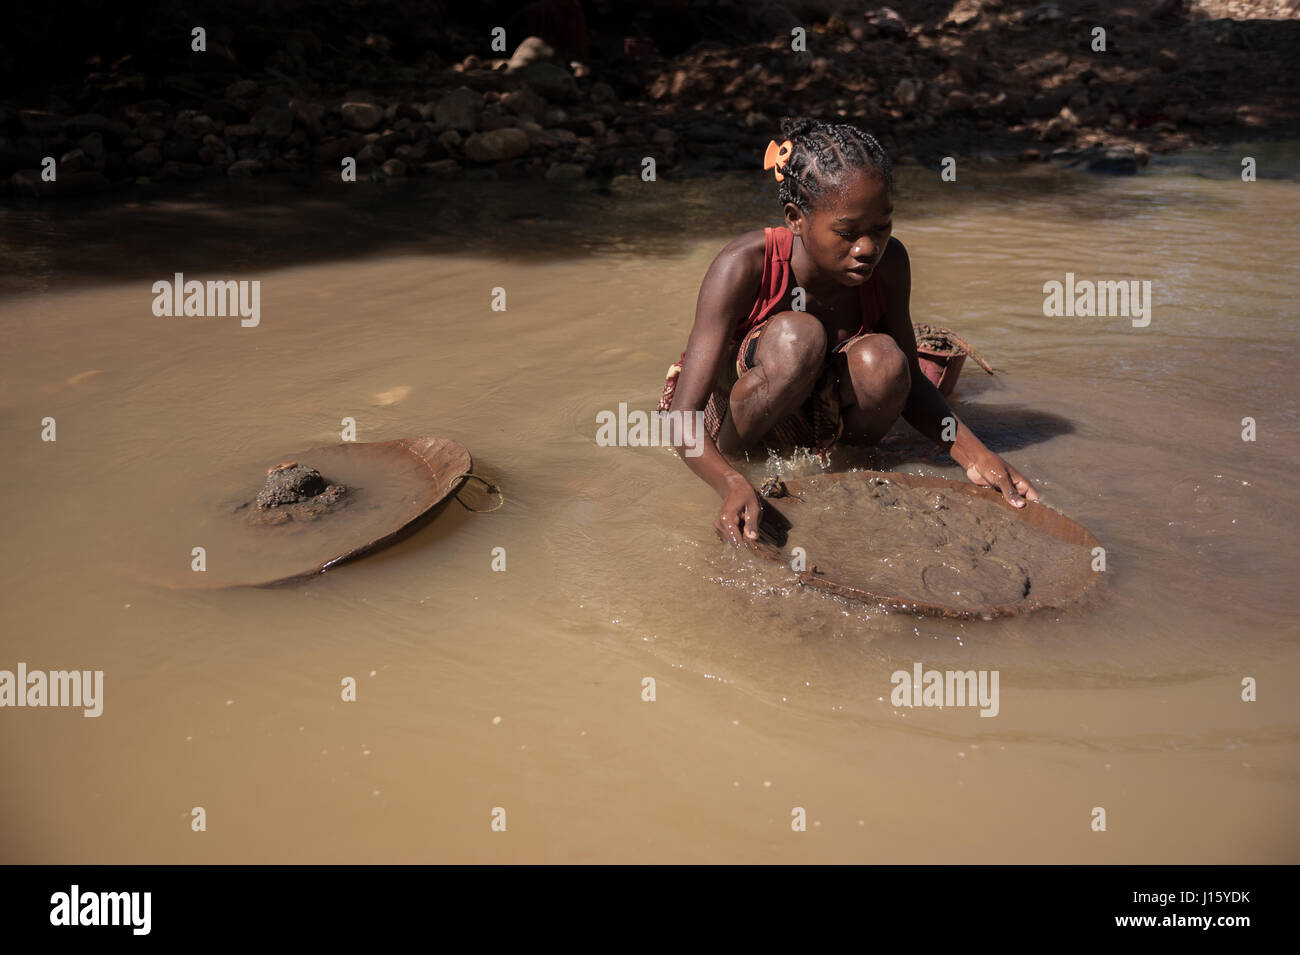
[447, 464]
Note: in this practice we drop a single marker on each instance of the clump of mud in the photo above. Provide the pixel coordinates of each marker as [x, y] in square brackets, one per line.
[295, 492]
[928, 546]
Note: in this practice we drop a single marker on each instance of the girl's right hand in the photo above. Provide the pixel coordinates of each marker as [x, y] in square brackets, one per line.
[739, 514]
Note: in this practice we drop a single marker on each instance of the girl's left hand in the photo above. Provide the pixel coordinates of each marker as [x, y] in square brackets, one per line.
[989, 470]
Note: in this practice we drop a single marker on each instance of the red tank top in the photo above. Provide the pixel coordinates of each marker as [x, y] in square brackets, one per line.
[777, 247]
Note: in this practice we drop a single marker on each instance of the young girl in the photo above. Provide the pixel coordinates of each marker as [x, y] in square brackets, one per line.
[842, 366]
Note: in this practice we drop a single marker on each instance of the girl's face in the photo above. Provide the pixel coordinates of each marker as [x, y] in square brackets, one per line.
[848, 230]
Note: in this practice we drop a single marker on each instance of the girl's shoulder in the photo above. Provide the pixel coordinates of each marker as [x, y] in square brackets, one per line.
[743, 257]
[747, 245]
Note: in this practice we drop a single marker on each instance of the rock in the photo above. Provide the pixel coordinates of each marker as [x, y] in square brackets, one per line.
[241, 131]
[1054, 130]
[39, 122]
[334, 151]
[964, 13]
[564, 172]
[1043, 13]
[273, 122]
[92, 144]
[371, 154]
[496, 145]
[585, 126]
[1220, 116]
[553, 82]
[26, 182]
[524, 102]
[443, 169]
[906, 93]
[394, 168]
[361, 116]
[181, 149]
[532, 50]
[603, 93]
[887, 22]
[639, 48]
[1011, 103]
[964, 69]
[958, 101]
[391, 139]
[1069, 121]
[1114, 159]
[15, 156]
[1043, 104]
[459, 109]
[226, 111]
[244, 168]
[95, 123]
[1030, 155]
[148, 157]
[308, 116]
[71, 161]
[413, 154]
[1167, 61]
[1248, 115]
[241, 89]
[710, 133]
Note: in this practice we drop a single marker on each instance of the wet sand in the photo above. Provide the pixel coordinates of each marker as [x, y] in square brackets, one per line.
[523, 688]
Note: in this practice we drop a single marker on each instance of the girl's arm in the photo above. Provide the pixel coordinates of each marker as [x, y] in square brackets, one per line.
[726, 296]
[926, 409]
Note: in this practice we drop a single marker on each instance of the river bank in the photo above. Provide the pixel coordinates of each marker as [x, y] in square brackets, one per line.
[981, 78]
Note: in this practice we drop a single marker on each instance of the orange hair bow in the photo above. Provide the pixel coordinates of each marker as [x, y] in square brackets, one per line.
[777, 156]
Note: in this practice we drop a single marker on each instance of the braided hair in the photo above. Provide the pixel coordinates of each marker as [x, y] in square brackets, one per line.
[821, 156]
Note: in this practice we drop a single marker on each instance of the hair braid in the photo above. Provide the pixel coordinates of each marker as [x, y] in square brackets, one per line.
[822, 153]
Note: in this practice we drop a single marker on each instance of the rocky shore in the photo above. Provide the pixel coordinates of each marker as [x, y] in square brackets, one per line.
[930, 79]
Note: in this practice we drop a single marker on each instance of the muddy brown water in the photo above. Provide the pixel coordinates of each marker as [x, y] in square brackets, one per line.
[523, 688]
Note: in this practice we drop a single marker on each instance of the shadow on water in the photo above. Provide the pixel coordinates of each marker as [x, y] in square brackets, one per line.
[262, 226]
[1006, 428]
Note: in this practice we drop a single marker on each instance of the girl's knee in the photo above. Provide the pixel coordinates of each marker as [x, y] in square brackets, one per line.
[795, 341]
[877, 359]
